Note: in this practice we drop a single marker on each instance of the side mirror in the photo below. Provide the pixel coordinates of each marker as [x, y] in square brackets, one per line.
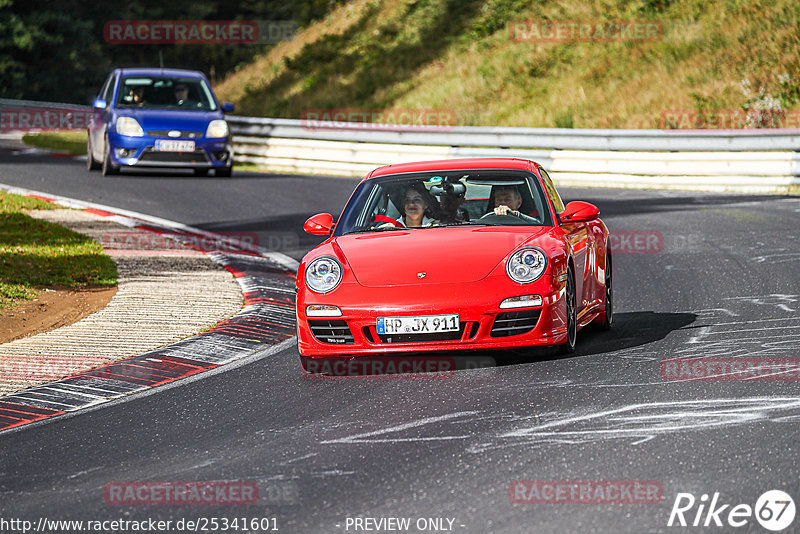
[227, 107]
[319, 224]
[99, 103]
[579, 211]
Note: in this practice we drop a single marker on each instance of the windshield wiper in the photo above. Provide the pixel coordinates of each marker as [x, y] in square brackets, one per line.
[369, 230]
[468, 223]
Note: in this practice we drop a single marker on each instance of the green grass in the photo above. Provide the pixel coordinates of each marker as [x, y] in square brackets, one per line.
[10, 203]
[459, 56]
[37, 254]
[65, 142]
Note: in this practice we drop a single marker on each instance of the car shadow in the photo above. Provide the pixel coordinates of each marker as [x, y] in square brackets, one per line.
[631, 329]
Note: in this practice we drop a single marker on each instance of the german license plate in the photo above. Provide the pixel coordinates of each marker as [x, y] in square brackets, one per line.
[168, 145]
[422, 324]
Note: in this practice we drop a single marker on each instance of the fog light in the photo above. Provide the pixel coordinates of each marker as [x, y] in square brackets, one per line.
[221, 156]
[124, 152]
[322, 310]
[525, 301]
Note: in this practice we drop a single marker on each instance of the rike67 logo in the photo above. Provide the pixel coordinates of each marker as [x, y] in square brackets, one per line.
[774, 510]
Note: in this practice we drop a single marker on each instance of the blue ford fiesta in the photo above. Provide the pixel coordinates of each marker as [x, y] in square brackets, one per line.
[159, 118]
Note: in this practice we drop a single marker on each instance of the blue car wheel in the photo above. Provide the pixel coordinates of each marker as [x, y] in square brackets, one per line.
[109, 168]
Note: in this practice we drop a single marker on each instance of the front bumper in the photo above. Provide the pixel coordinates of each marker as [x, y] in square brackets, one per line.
[483, 324]
[140, 152]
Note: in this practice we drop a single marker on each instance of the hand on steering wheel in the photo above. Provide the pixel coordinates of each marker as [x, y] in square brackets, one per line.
[505, 210]
[502, 210]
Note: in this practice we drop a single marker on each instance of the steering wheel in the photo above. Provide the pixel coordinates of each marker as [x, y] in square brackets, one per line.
[492, 216]
[383, 219]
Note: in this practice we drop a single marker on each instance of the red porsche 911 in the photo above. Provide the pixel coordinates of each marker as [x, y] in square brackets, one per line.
[451, 255]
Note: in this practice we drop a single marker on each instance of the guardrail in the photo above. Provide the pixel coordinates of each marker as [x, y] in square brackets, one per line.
[755, 161]
[29, 115]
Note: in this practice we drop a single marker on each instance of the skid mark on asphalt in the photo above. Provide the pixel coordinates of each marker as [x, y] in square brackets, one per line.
[635, 423]
[714, 333]
[780, 301]
[377, 436]
[777, 258]
[773, 335]
[645, 421]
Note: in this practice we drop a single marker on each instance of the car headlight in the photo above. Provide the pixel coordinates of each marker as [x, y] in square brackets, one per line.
[217, 128]
[526, 265]
[323, 274]
[128, 126]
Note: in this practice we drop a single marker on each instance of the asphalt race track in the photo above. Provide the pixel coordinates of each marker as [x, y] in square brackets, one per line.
[696, 275]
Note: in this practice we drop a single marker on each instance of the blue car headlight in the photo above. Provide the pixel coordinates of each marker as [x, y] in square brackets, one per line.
[129, 126]
[526, 265]
[323, 274]
[217, 129]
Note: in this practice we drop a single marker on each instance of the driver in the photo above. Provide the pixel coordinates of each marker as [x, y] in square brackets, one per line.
[507, 201]
[181, 92]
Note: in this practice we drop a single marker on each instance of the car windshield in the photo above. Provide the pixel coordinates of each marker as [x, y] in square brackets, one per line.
[158, 92]
[444, 199]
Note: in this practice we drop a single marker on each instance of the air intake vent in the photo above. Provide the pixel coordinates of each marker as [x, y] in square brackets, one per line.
[334, 332]
[514, 323]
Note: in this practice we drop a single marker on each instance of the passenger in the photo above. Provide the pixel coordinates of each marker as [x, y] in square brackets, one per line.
[417, 207]
[507, 201]
[137, 96]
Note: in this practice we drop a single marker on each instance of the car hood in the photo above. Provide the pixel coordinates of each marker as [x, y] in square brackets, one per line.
[445, 255]
[159, 119]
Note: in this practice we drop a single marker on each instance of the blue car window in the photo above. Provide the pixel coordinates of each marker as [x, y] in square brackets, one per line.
[151, 92]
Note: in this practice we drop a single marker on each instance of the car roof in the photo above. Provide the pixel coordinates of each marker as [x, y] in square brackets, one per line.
[454, 165]
[162, 72]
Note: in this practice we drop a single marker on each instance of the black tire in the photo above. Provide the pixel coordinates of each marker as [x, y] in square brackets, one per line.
[91, 163]
[224, 172]
[608, 319]
[109, 169]
[568, 347]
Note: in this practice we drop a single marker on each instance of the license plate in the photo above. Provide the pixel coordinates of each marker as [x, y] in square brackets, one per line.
[423, 324]
[168, 145]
